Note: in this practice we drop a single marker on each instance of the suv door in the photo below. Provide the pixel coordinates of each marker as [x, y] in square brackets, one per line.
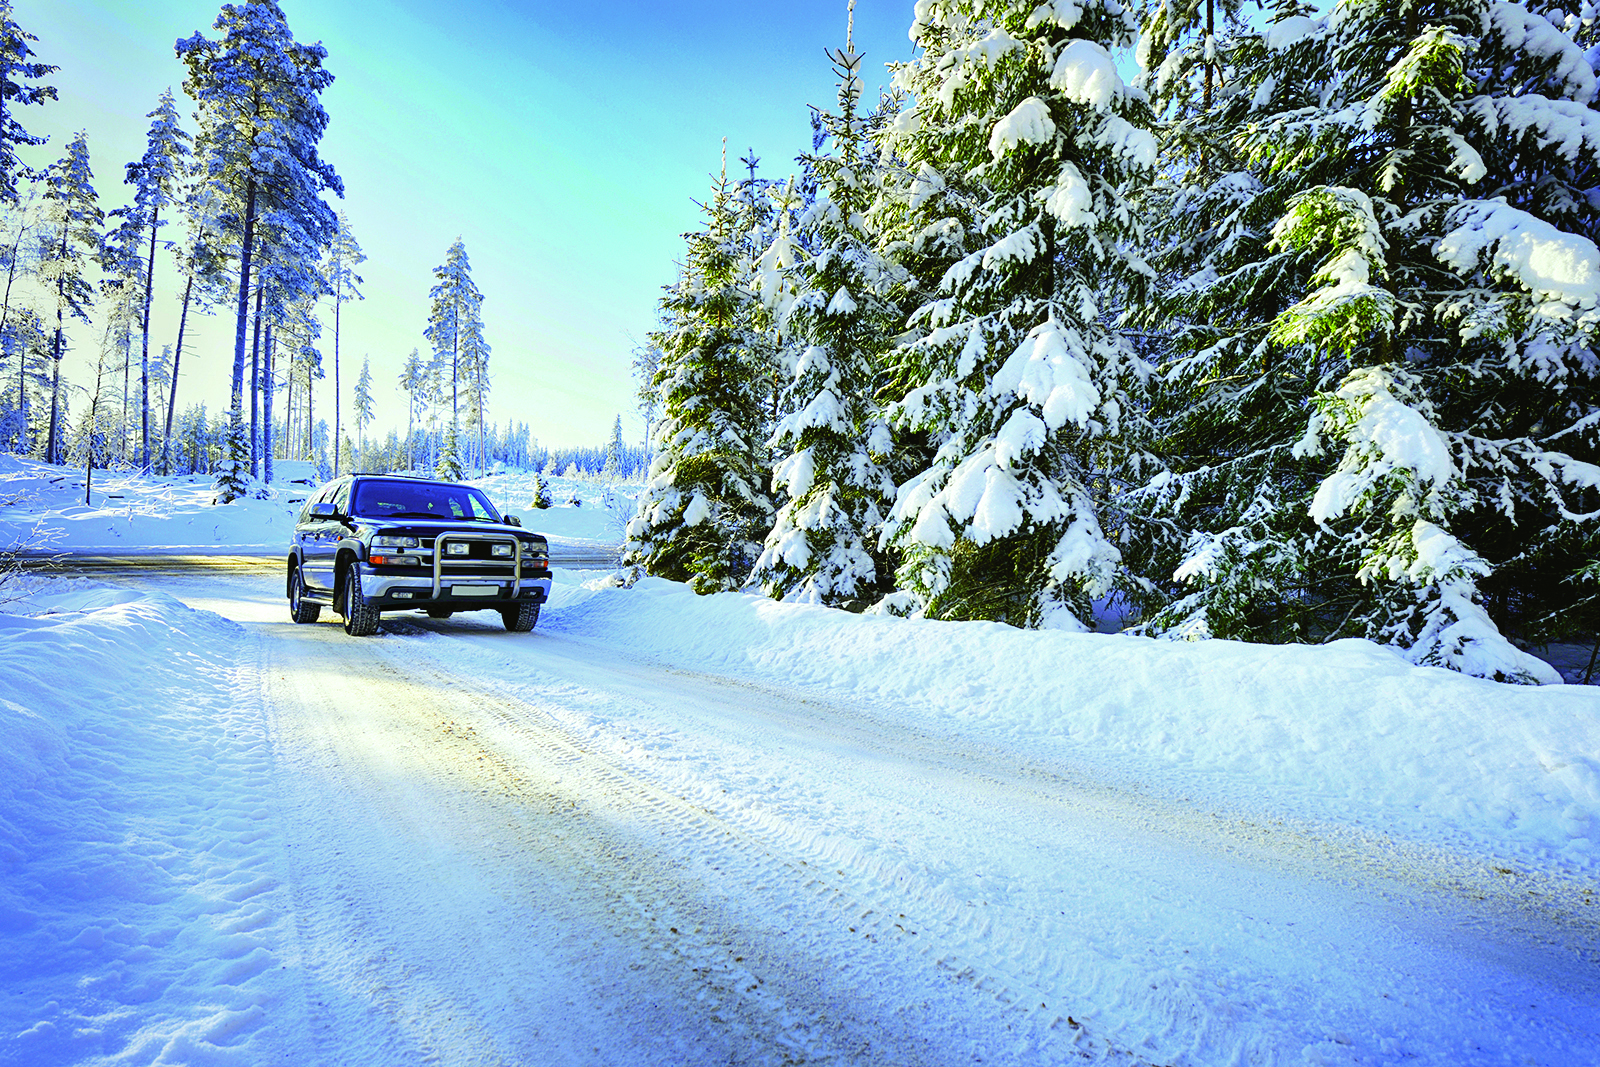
[319, 538]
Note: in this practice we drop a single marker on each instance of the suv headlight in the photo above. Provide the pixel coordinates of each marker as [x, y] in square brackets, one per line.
[393, 541]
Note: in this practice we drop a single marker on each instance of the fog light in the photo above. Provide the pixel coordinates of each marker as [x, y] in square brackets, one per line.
[500, 550]
[457, 548]
[402, 595]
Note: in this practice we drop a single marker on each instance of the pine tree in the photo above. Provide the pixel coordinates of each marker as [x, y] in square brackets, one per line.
[122, 295]
[155, 180]
[839, 318]
[455, 329]
[71, 238]
[704, 508]
[26, 340]
[291, 283]
[414, 383]
[203, 262]
[1020, 137]
[363, 402]
[343, 256]
[17, 323]
[16, 69]
[260, 121]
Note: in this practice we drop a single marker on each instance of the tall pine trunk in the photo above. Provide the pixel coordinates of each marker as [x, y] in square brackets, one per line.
[266, 413]
[172, 391]
[55, 355]
[144, 356]
[22, 353]
[255, 388]
[338, 302]
[127, 393]
[242, 322]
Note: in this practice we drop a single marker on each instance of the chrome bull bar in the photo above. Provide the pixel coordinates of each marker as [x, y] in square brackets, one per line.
[471, 537]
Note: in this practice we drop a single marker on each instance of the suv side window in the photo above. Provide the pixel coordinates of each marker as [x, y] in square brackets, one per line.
[315, 498]
[341, 498]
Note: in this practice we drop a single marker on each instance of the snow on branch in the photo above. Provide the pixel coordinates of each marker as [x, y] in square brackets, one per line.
[1027, 123]
[1561, 270]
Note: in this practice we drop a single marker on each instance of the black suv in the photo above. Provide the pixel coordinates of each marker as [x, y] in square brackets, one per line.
[370, 543]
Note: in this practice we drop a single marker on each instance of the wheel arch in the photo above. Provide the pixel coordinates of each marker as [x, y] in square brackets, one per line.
[341, 567]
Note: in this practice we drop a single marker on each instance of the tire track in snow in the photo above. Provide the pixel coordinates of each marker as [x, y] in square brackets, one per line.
[775, 960]
[862, 906]
[1376, 876]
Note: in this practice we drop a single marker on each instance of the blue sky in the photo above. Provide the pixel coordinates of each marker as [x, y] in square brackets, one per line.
[565, 143]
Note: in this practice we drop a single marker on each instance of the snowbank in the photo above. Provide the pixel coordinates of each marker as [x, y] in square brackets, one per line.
[136, 908]
[133, 512]
[1348, 732]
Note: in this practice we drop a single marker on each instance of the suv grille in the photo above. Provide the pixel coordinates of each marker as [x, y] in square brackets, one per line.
[478, 563]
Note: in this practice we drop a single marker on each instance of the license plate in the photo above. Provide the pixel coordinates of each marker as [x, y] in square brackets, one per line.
[474, 590]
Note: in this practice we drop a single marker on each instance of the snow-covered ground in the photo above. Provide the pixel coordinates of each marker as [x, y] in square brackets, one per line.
[675, 829]
[132, 512]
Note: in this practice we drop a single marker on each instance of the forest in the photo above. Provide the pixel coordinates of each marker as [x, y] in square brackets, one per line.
[1264, 322]
[1287, 336]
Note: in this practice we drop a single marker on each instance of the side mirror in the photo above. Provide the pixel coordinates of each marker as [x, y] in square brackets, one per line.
[512, 520]
[324, 509]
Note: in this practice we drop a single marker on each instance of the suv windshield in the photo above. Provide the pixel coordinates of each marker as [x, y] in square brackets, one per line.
[420, 500]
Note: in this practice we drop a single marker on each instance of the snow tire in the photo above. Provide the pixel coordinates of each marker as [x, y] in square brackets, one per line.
[360, 617]
[522, 618]
[299, 610]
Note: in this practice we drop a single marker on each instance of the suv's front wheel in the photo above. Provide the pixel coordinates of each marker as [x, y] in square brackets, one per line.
[520, 619]
[360, 617]
[299, 610]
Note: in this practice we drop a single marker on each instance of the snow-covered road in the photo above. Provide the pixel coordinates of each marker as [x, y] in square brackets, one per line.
[467, 846]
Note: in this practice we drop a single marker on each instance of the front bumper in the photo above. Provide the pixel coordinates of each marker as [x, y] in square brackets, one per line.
[399, 588]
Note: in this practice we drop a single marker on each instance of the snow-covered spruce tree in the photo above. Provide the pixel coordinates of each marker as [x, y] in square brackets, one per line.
[704, 509]
[839, 321]
[448, 465]
[69, 238]
[613, 466]
[1019, 139]
[1221, 538]
[260, 116]
[17, 68]
[1437, 203]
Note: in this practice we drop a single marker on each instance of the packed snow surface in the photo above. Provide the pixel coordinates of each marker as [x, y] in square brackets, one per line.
[665, 828]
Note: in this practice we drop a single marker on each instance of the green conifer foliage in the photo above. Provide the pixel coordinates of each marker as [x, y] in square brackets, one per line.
[1019, 139]
[1399, 404]
[704, 509]
[838, 317]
